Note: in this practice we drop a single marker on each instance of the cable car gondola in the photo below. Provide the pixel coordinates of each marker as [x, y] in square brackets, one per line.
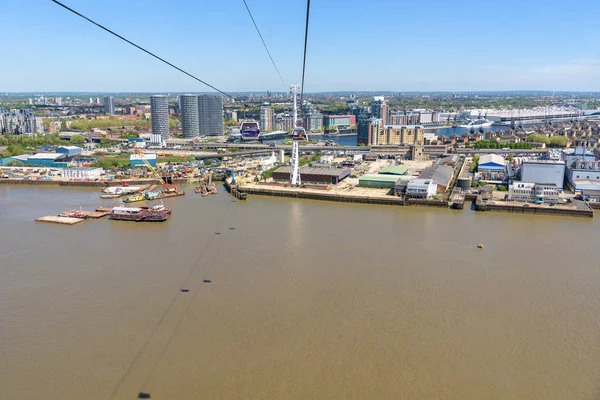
[299, 134]
[250, 130]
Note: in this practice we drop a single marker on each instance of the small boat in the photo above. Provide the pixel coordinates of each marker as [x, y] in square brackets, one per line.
[152, 195]
[198, 189]
[480, 246]
[135, 197]
[74, 214]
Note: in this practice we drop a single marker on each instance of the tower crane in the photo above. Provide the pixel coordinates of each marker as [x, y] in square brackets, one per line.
[157, 175]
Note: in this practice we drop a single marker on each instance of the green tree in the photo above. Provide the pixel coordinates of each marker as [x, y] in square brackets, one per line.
[231, 122]
[63, 125]
[77, 139]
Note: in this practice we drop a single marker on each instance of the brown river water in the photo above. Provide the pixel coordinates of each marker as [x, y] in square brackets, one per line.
[308, 300]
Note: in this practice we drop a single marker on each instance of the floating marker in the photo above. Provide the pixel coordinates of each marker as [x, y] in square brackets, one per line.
[185, 290]
[207, 281]
[143, 395]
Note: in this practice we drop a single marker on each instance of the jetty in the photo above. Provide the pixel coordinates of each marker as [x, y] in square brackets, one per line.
[59, 220]
[90, 214]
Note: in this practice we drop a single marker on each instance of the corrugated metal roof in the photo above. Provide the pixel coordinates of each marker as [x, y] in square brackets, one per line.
[46, 156]
[394, 170]
[380, 178]
[316, 171]
[440, 174]
[492, 158]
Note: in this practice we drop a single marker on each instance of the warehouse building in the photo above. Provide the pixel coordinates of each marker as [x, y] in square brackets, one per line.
[82, 173]
[394, 170]
[136, 160]
[69, 151]
[492, 167]
[313, 175]
[441, 175]
[543, 172]
[381, 181]
[52, 160]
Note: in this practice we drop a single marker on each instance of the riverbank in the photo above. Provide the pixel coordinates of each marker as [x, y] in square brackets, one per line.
[56, 182]
[380, 197]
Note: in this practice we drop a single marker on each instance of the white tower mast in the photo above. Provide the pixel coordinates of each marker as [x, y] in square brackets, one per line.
[294, 161]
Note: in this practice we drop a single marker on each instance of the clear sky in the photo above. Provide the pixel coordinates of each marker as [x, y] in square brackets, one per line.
[394, 45]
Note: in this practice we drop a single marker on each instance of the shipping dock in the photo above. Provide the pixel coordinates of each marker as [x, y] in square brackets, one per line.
[59, 220]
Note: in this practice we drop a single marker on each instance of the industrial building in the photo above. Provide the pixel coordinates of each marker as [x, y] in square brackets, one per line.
[137, 142]
[539, 193]
[381, 181]
[582, 169]
[82, 173]
[492, 167]
[543, 172]
[421, 189]
[69, 151]
[441, 175]
[313, 175]
[136, 160]
[51, 160]
[394, 170]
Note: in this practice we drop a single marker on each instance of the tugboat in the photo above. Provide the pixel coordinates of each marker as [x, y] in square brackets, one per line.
[134, 198]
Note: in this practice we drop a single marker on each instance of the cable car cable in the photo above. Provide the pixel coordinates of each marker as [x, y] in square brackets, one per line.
[142, 49]
[304, 61]
[263, 42]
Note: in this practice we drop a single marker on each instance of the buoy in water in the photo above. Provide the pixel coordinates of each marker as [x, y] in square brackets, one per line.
[207, 281]
[480, 246]
[143, 395]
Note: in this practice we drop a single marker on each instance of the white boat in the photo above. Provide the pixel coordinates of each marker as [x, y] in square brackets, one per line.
[478, 123]
[121, 189]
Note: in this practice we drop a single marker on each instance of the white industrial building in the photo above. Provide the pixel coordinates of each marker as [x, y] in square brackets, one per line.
[539, 193]
[421, 188]
[82, 173]
[582, 169]
[543, 172]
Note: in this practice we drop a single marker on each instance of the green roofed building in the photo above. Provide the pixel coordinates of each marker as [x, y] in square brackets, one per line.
[394, 170]
[381, 180]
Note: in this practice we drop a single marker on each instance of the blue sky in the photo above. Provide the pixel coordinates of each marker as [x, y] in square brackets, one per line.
[353, 45]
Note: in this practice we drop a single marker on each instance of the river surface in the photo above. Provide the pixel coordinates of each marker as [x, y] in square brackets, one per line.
[308, 300]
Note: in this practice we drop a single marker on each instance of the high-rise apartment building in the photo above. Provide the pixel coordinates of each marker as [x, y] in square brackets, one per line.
[266, 118]
[313, 121]
[109, 105]
[379, 109]
[210, 115]
[189, 115]
[369, 129]
[159, 107]
[401, 135]
[20, 121]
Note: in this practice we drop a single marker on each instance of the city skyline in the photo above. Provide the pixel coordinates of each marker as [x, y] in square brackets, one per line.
[429, 46]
